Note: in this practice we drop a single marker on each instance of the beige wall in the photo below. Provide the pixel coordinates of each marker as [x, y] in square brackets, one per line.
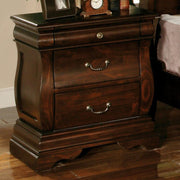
[8, 54]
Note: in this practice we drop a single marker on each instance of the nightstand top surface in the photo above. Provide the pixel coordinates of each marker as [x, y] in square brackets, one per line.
[36, 20]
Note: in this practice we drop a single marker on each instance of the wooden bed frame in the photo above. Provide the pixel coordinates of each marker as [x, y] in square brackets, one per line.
[167, 84]
[164, 6]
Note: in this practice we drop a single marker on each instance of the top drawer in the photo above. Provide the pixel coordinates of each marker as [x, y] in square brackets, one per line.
[96, 35]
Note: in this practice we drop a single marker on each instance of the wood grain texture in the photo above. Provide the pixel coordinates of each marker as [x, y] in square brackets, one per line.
[167, 6]
[88, 10]
[34, 85]
[147, 81]
[146, 28]
[41, 32]
[107, 162]
[54, 87]
[51, 11]
[43, 40]
[47, 93]
[27, 90]
[42, 151]
[164, 6]
[86, 6]
[89, 36]
[70, 108]
[70, 70]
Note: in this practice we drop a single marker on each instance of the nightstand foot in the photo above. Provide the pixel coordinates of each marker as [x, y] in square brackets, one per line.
[43, 160]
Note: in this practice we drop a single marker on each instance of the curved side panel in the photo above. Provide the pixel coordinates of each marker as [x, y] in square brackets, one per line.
[17, 81]
[29, 87]
[147, 81]
[47, 91]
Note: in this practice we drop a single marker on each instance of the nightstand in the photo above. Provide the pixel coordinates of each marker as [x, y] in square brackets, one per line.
[82, 83]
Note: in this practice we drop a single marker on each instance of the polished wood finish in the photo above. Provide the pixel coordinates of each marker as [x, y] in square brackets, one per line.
[34, 75]
[50, 11]
[147, 82]
[106, 162]
[70, 70]
[164, 6]
[41, 152]
[88, 10]
[54, 87]
[124, 100]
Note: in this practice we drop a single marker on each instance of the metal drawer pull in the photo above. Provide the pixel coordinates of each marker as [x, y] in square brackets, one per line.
[98, 69]
[99, 35]
[89, 108]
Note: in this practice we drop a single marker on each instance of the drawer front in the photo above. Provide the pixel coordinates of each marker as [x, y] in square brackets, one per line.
[108, 34]
[90, 106]
[70, 66]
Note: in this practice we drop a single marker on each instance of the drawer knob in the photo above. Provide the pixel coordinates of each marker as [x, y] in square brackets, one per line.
[97, 69]
[99, 35]
[89, 108]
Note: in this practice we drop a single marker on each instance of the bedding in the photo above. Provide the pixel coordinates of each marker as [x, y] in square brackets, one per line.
[168, 49]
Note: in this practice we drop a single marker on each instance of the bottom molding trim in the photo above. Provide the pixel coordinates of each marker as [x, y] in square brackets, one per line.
[42, 151]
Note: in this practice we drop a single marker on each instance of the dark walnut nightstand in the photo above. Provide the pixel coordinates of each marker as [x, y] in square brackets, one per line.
[82, 83]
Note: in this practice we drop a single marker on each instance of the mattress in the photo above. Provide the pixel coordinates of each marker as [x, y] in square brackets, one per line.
[168, 49]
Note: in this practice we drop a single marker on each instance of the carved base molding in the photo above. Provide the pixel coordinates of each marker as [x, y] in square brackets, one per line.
[42, 151]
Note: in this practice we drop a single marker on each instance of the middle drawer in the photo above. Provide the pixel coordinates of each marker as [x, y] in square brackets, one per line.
[95, 64]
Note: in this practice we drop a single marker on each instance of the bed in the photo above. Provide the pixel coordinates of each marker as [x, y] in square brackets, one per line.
[166, 72]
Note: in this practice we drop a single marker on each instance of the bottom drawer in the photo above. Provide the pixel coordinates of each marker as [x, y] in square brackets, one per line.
[96, 105]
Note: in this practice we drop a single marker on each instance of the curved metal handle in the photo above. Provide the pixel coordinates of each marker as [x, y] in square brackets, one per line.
[98, 69]
[89, 108]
